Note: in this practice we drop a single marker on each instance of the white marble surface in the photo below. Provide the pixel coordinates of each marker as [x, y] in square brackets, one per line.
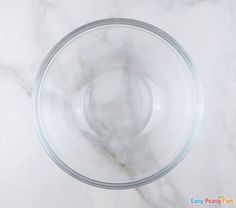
[28, 29]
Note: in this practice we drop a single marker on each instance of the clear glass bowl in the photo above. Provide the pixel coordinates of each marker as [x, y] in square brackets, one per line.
[117, 103]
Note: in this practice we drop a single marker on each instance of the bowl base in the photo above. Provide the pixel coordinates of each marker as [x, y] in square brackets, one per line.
[117, 103]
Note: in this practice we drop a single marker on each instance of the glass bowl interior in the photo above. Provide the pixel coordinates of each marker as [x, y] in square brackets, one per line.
[117, 103]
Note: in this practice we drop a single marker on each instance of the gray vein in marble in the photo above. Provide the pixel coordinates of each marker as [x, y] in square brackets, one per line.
[42, 8]
[176, 201]
[154, 200]
[43, 33]
[4, 69]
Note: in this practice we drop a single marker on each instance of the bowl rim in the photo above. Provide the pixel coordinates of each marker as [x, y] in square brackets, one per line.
[126, 22]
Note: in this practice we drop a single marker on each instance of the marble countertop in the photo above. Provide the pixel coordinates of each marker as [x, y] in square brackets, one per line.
[29, 29]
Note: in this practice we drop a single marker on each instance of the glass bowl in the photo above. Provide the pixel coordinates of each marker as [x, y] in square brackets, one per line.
[117, 103]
